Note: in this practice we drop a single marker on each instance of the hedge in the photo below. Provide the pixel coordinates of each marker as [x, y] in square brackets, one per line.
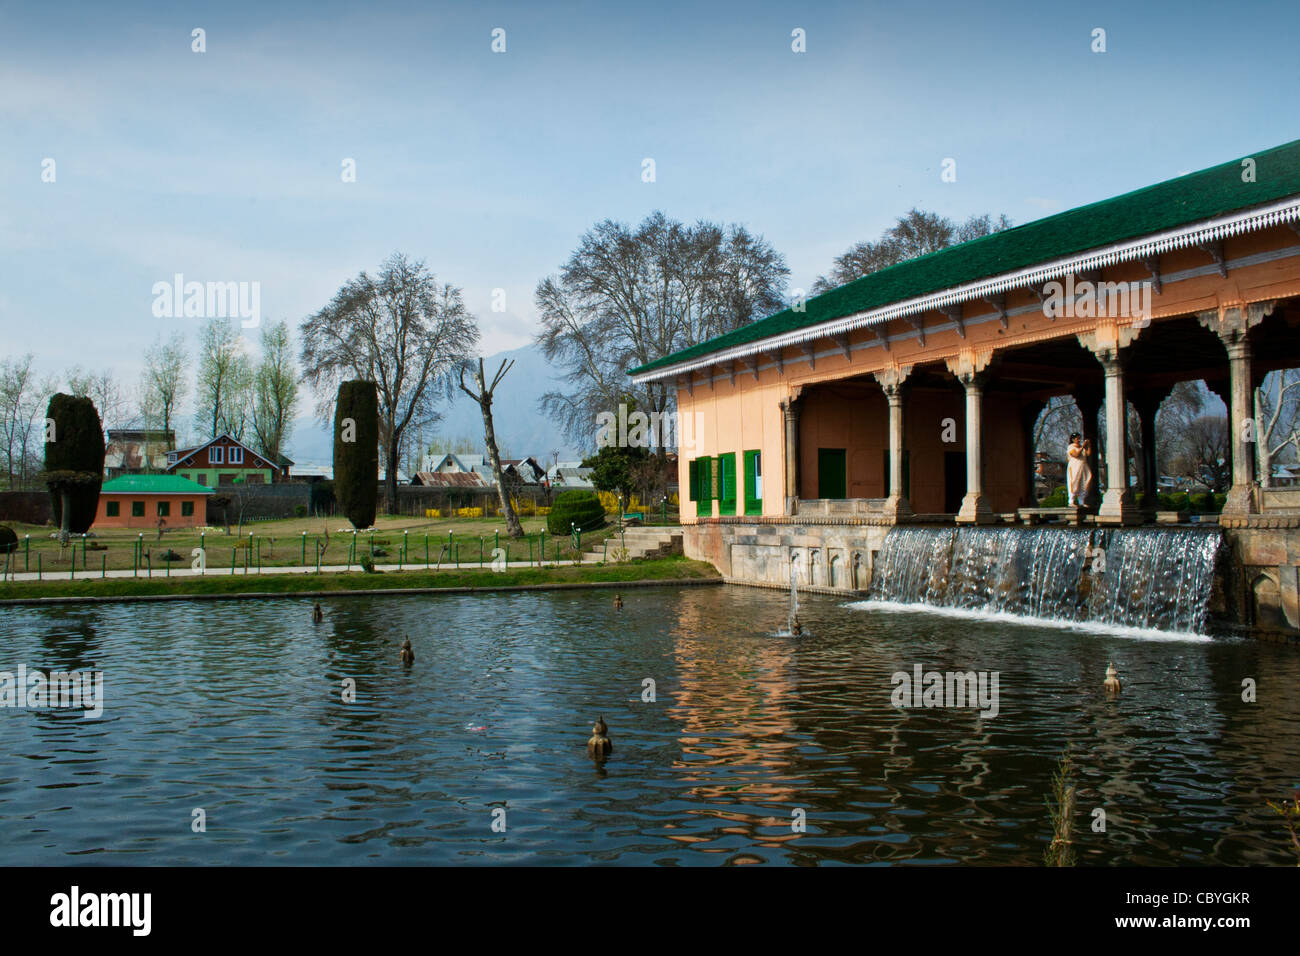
[580, 508]
[356, 462]
[78, 446]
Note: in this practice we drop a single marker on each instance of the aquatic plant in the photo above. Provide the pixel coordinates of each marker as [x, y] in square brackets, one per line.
[1060, 808]
[1290, 813]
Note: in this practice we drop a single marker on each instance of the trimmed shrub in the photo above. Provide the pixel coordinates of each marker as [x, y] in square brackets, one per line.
[8, 540]
[1057, 499]
[77, 456]
[581, 508]
[356, 461]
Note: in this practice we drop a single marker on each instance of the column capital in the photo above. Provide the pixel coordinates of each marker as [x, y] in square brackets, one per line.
[1231, 323]
[891, 379]
[969, 363]
[1109, 339]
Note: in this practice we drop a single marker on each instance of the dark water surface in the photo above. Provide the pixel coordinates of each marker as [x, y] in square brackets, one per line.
[235, 707]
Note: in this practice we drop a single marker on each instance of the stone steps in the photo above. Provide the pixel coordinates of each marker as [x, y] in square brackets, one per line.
[640, 543]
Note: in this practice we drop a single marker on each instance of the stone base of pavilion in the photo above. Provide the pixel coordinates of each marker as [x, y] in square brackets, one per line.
[833, 544]
[897, 511]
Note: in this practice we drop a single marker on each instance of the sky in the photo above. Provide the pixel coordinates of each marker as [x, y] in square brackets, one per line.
[227, 165]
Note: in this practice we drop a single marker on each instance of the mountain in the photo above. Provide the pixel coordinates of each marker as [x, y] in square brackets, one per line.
[521, 427]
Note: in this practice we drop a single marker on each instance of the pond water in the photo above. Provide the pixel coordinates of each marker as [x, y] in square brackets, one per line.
[235, 708]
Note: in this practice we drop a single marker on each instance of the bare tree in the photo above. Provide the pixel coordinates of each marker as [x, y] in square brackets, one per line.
[275, 391]
[164, 384]
[224, 381]
[1185, 403]
[627, 297]
[401, 330]
[23, 398]
[102, 389]
[483, 396]
[1277, 410]
[917, 233]
[1205, 452]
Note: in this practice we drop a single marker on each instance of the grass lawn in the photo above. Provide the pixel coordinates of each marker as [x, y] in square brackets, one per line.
[656, 569]
[281, 542]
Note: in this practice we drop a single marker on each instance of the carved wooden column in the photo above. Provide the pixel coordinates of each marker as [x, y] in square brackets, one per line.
[1029, 413]
[790, 412]
[891, 380]
[1233, 325]
[1147, 402]
[969, 369]
[1108, 343]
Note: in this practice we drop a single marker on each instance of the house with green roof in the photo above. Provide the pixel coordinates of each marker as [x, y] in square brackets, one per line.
[912, 395]
[145, 501]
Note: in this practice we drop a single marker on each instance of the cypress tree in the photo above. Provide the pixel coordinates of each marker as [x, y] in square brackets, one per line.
[74, 461]
[356, 451]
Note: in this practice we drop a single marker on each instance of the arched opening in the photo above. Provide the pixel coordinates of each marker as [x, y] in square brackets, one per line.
[1266, 602]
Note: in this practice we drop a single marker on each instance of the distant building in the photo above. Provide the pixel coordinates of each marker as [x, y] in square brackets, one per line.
[141, 501]
[567, 475]
[527, 470]
[452, 464]
[133, 451]
[221, 461]
[311, 472]
[455, 479]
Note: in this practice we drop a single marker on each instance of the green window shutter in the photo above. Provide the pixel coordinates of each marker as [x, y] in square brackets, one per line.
[727, 484]
[704, 502]
[753, 483]
[694, 480]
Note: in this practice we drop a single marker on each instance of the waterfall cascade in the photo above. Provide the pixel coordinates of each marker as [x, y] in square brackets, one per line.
[1152, 578]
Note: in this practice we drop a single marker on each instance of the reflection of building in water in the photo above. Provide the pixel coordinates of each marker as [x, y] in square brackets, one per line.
[1265, 728]
[738, 733]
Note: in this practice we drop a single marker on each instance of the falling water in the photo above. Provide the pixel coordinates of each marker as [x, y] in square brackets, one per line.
[1150, 578]
[794, 598]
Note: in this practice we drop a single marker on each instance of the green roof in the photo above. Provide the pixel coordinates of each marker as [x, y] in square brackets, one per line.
[1211, 192]
[153, 485]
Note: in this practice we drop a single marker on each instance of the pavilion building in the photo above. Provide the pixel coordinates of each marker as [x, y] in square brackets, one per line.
[910, 395]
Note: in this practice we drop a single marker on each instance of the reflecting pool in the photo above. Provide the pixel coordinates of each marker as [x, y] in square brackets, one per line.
[235, 708]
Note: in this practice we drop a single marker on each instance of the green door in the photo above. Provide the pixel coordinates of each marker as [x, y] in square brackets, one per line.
[832, 474]
[704, 493]
[753, 483]
[727, 484]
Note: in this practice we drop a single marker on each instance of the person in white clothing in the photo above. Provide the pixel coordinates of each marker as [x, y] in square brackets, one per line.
[1078, 475]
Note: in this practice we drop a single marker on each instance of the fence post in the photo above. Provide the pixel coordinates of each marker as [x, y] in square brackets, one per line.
[38, 565]
[27, 547]
[103, 565]
[304, 548]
